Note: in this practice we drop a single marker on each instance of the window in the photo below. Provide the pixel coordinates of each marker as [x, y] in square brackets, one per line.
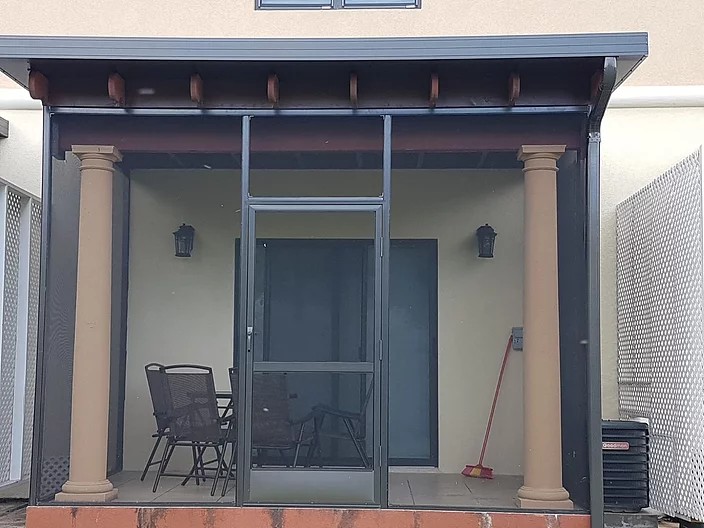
[335, 4]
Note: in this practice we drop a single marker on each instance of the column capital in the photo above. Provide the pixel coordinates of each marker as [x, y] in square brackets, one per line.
[104, 152]
[527, 152]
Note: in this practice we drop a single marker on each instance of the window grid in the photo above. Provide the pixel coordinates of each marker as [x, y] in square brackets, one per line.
[337, 4]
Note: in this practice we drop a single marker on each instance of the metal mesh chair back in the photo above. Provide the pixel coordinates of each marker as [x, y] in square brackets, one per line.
[193, 412]
[159, 395]
[234, 387]
[271, 424]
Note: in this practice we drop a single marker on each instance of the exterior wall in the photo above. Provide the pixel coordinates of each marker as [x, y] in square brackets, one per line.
[21, 152]
[183, 309]
[638, 145]
[676, 43]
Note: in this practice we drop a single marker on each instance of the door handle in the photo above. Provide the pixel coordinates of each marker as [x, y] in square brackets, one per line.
[250, 333]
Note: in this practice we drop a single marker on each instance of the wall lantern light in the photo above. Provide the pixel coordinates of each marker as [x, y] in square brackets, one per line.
[183, 239]
[485, 241]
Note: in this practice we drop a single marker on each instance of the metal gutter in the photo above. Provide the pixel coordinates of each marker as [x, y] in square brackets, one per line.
[593, 341]
[4, 128]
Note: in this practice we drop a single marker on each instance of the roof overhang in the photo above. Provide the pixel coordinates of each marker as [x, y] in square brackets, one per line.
[18, 52]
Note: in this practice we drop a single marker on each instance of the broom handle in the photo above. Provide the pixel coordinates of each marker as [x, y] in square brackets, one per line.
[496, 397]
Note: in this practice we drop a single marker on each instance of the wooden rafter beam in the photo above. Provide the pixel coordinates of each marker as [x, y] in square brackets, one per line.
[596, 82]
[514, 88]
[38, 86]
[354, 89]
[116, 89]
[434, 89]
[197, 89]
[272, 89]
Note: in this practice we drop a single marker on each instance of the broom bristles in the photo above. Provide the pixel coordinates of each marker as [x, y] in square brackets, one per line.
[478, 472]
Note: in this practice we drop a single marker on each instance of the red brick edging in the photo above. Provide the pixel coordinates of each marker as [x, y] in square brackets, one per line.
[209, 517]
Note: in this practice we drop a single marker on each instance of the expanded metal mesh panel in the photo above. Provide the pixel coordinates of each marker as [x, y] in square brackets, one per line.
[54, 472]
[660, 277]
[8, 355]
[32, 329]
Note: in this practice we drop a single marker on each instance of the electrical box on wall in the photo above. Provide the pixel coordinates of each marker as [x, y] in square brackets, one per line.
[517, 333]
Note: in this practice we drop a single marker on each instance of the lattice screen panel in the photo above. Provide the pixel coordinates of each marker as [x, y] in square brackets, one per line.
[35, 233]
[660, 288]
[10, 284]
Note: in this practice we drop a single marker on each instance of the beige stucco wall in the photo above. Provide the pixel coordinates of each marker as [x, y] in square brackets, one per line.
[21, 152]
[183, 309]
[638, 145]
[677, 48]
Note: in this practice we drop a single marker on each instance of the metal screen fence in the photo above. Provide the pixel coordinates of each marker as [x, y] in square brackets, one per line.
[660, 287]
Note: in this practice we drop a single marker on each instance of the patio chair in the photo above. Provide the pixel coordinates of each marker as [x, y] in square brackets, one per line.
[272, 426]
[157, 392]
[194, 422]
[354, 422]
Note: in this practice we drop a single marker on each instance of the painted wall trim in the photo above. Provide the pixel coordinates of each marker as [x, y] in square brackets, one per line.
[17, 99]
[658, 97]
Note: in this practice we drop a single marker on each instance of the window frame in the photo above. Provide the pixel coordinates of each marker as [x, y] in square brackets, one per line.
[334, 5]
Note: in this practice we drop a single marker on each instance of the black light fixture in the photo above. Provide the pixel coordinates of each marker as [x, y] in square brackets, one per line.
[485, 240]
[183, 239]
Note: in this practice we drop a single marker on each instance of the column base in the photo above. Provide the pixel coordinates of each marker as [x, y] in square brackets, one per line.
[101, 496]
[100, 491]
[537, 504]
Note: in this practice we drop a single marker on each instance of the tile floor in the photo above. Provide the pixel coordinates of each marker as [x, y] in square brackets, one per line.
[426, 489]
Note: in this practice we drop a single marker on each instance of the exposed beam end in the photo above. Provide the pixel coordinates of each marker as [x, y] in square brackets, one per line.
[434, 89]
[514, 88]
[272, 89]
[197, 90]
[116, 89]
[354, 89]
[38, 86]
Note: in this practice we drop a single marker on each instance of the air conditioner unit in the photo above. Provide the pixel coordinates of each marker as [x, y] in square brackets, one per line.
[625, 448]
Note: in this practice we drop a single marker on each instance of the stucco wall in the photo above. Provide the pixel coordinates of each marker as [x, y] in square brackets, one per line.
[638, 145]
[21, 152]
[677, 49]
[183, 309]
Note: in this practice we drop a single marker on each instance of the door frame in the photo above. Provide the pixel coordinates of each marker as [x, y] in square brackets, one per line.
[380, 207]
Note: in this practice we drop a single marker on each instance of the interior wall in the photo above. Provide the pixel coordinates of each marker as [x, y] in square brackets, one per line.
[182, 310]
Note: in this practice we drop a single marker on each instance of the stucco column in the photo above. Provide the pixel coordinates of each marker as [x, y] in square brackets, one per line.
[91, 354]
[542, 442]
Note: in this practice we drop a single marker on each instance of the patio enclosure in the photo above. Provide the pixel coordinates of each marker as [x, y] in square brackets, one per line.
[335, 254]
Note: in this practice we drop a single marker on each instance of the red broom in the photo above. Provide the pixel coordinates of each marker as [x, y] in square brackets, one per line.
[479, 470]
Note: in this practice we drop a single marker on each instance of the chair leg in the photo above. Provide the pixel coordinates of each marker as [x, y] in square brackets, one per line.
[315, 443]
[198, 452]
[195, 464]
[151, 457]
[353, 437]
[221, 456]
[228, 475]
[298, 445]
[166, 455]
